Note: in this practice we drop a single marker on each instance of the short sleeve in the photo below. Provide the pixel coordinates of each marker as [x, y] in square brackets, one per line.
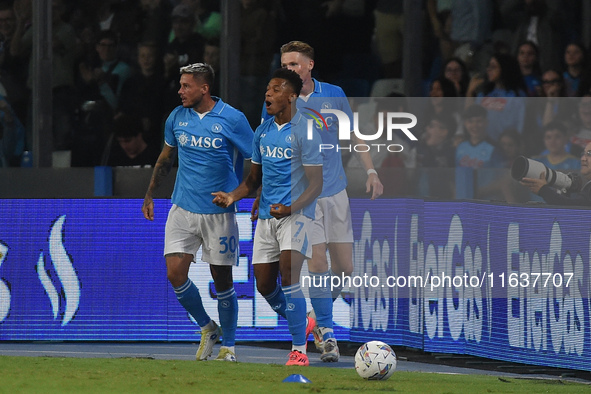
[169, 137]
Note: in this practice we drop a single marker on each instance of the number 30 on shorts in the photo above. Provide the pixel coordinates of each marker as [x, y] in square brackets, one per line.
[228, 244]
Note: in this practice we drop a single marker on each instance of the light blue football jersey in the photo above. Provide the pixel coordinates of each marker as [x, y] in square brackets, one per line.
[569, 162]
[474, 156]
[283, 151]
[211, 151]
[326, 96]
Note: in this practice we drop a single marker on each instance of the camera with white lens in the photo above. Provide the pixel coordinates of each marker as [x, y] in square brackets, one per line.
[524, 167]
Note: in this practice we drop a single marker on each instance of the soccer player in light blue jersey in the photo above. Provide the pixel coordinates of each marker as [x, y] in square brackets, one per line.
[288, 165]
[332, 227]
[212, 140]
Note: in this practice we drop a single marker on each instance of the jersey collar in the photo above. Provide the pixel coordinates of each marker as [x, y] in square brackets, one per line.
[219, 105]
[317, 86]
[297, 118]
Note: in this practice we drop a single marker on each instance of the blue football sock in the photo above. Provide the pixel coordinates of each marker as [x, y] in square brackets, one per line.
[336, 290]
[188, 296]
[277, 301]
[296, 313]
[228, 311]
[321, 298]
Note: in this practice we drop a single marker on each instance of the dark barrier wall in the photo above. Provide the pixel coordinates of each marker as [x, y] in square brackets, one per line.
[505, 282]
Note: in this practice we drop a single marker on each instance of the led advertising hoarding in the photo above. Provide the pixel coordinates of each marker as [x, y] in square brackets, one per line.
[498, 281]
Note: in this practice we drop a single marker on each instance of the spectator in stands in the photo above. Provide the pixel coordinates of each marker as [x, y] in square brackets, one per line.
[441, 87]
[456, 71]
[389, 164]
[509, 148]
[207, 17]
[476, 152]
[123, 18]
[129, 149]
[64, 55]
[553, 106]
[7, 25]
[527, 57]
[440, 17]
[436, 151]
[496, 184]
[393, 102]
[582, 135]
[186, 47]
[83, 18]
[109, 73]
[552, 196]
[141, 94]
[436, 145]
[256, 54]
[501, 95]
[13, 69]
[155, 21]
[211, 56]
[471, 23]
[574, 60]
[553, 89]
[389, 22]
[556, 157]
[102, 81]
[443, 100]
[538, 21]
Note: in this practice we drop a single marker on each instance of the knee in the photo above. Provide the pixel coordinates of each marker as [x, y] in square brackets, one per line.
[286, 281]
[175, 277]
[222, 278]
[266, 288]
[177, 268]
[346, 270]
[318, 262]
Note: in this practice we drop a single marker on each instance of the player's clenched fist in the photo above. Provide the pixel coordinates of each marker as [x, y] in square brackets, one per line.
[279, 211]
[148, 208]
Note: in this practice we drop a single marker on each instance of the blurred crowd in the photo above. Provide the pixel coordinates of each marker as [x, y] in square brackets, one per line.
[502, 78]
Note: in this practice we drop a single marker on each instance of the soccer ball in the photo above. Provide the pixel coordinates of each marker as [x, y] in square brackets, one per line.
[375, 360]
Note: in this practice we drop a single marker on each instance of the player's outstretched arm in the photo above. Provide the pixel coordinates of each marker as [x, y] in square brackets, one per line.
[161, 170]
[373, 183]
[249, 185]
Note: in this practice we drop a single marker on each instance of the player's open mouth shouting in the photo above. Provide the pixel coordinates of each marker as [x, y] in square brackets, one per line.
[268, 105]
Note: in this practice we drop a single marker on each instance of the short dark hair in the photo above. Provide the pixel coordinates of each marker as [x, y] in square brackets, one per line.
[127, 126]
[475, 111]
[213, 41]
[202, 70]
[149, 44]
[447, 120]
[447, 87]
[292, 78]
[109, 35]
[512, 133]
[555, 125]
[6, 6]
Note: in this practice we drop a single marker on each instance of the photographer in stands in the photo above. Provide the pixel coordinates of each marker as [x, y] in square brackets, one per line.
[551, 195]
